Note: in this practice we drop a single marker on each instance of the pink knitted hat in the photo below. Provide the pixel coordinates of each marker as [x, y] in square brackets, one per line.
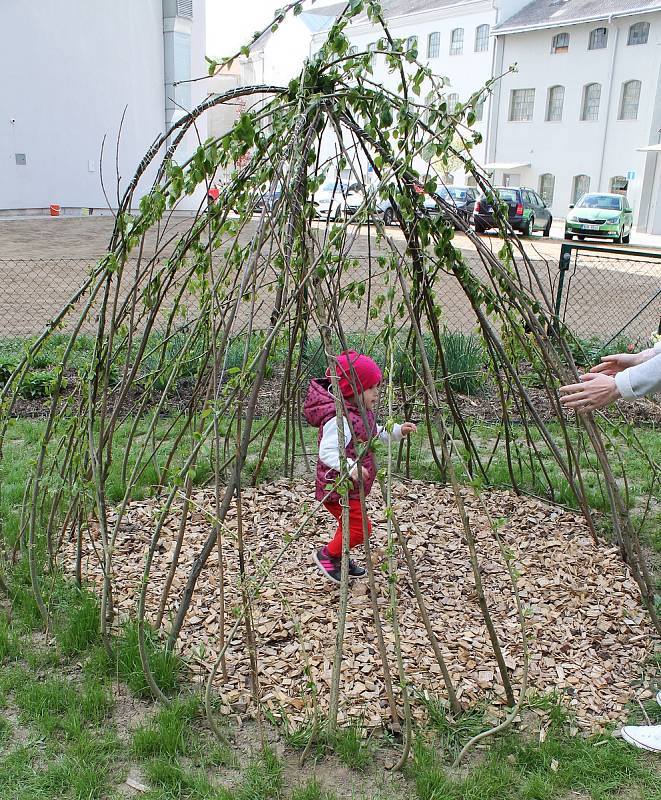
[354, 368]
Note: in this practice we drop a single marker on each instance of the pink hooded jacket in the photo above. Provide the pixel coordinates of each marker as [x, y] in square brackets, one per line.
[318, 408]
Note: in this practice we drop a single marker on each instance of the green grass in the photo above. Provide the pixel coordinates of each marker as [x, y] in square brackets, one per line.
[169, 732]
[602, 768]
[55, 703]
[352, 748]
[313, 790]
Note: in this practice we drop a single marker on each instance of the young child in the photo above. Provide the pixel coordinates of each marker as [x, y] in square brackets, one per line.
[319, 410]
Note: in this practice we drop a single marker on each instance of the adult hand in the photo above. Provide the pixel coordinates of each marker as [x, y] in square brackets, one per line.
[611, 365]
[594, 391]
[409, 427]
[354, 474]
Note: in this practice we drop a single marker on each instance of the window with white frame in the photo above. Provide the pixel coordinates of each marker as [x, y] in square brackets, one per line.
[638, 33]
[434, 45]
[457, 42]
[598, 39]
[560, 43]
[481, 38]
[554, 103]
[580, 185]
[546, 187]
[630, 100]
[618, 184]
[452, 101]
[522, 102]
[591, 99]
[411, 43]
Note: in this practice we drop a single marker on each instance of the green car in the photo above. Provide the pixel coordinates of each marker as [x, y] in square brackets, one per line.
[602, 216]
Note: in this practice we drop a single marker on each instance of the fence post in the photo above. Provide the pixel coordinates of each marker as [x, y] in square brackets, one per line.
[563, 266]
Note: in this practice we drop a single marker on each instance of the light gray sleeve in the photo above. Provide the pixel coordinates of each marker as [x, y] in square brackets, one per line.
[640, 380]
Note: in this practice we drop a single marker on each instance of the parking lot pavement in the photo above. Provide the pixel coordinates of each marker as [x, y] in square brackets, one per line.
[32, 238]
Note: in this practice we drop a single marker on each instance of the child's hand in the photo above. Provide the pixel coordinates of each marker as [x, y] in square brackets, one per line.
[409, 427]
[354, 474]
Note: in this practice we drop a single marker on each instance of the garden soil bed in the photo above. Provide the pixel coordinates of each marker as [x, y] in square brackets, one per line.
[589, 636]
[484, 406]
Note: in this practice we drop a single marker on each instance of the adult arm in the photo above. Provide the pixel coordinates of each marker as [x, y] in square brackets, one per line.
[641, 379]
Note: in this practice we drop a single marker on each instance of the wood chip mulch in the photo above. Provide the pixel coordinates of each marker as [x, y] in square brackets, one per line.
[589, 635]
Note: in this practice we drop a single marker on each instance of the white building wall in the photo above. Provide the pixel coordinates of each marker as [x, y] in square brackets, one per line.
[600, 149]
[69, 70]
[466, 73]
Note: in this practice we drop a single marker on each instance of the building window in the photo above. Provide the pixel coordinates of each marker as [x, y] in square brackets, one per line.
[479, 108]
[452, 102]
[185, 8]
[546, 187]
[560, 43]
[580, 185]
[598, 39]
[554, 103]
[618, 184]
[412, 43]
[638, 33]
[629, 101]
[591, 98]
[481, 38]
[434, 45]
[522, 102]
[457, 42]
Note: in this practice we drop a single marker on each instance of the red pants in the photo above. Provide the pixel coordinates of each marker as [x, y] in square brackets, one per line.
[355, 526]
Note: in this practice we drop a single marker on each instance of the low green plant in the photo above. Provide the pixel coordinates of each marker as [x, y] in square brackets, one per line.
[464, 361]
[176, 782]
[165, 665]
[39, 384]
[6, 369]
[77, 621]
[169, 732]
[352, 748]
[262, 778]
[312, 790]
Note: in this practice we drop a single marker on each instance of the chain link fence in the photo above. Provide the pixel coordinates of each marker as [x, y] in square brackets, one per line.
[600, 294]
[609, 295]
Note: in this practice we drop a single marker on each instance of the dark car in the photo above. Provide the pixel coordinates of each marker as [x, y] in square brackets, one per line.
[266, 199]
[526, 211]
[460, 198]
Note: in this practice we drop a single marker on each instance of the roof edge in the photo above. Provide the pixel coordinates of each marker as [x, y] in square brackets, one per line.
[502, 28]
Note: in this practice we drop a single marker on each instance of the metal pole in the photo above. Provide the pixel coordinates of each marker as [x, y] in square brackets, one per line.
[563, 265]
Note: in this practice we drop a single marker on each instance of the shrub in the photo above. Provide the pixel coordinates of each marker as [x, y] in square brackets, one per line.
[6, 369]
[464, 361]
[39, 384]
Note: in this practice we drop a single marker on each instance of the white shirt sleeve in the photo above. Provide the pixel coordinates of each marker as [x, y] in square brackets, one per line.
[395, 436]
[329, 446]
[642, 379]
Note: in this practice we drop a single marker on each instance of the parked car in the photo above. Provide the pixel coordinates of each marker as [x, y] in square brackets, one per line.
[461, 198]
[267, 198]
[527, 212]
[354, 199]
[330, 200]
[603, 216]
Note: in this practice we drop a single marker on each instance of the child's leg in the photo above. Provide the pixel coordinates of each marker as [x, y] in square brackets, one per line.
[355, 526]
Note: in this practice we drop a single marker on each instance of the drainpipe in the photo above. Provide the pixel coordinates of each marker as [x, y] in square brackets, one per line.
[177, 31]
[611, 89]
[494, 106]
